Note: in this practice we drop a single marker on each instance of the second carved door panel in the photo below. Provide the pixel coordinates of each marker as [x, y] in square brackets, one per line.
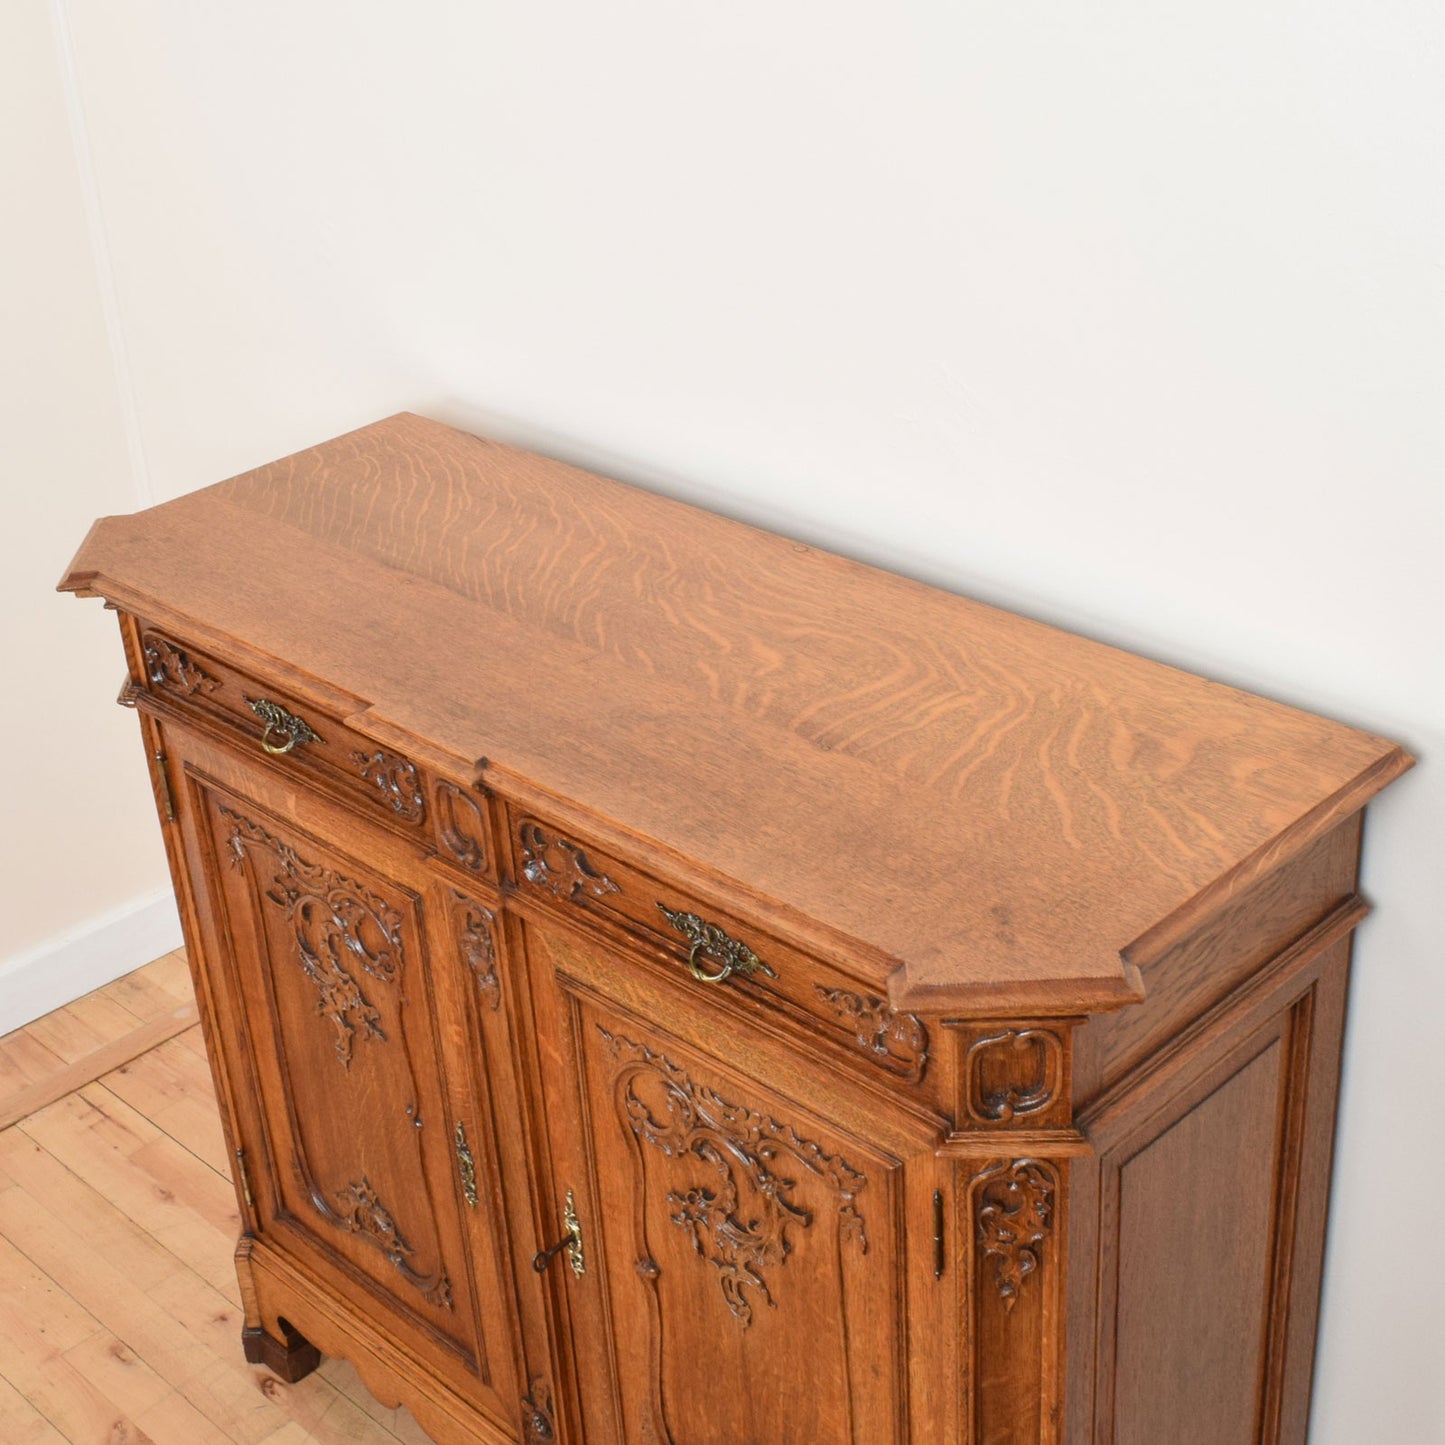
[362, 1156]
[744, 1272]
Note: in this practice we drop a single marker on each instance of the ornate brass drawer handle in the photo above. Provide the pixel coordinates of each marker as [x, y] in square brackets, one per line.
[571, 1242]
[284, 730]
[709, 940]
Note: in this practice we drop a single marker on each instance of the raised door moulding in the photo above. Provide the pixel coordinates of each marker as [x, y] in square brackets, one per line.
[332, 918]
[739, 1238]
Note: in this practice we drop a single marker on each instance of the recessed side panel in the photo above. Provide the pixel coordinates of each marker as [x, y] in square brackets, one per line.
[1195, 1239]
[1205, 1217]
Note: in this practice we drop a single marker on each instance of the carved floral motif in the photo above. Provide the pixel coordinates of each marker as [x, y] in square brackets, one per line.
[461, 826]
[897, 1041]
[1013, 1208]
[336, 922]
[173, 667]
[738, 1237]
[359, 1211]
[479, 947]
[560, 867]
[395, 778]
[537, 1413]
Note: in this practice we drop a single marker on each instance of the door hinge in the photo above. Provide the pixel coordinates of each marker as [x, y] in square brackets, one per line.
[168, 798]
[938, 1253]
[244, 1175]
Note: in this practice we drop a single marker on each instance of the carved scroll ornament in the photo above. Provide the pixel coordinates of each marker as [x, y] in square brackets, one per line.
[173, 667]
[560, 867]
[896, 1041]
[461, 826]
[360, 1211]
[395, 778]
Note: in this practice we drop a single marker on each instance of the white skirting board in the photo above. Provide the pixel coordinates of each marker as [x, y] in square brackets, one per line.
[64, 968]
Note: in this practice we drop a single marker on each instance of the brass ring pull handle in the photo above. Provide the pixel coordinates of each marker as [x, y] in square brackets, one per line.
[571, 1242]
[274, 747]
[708, 940]
[284, 730]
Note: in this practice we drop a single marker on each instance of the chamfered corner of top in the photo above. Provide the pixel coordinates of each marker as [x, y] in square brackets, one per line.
[82, 572]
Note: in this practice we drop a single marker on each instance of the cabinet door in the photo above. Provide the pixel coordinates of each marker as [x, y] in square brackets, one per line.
[336, 978]
[744, 1222]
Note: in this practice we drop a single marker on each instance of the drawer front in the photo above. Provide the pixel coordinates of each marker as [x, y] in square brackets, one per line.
[277, 723]
[769, 981]
[298, 735]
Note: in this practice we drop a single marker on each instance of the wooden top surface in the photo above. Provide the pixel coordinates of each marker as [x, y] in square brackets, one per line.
[1000, 816]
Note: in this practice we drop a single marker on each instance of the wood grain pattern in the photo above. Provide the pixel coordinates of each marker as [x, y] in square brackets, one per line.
[1017, 786]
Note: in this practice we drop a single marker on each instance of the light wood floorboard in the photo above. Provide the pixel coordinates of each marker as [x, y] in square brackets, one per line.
[120, 1318]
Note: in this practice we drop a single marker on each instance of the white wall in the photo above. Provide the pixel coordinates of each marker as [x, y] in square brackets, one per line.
[85, 890]
[1127, 316]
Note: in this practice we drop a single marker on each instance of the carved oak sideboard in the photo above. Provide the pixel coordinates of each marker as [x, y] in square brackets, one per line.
[667, 983]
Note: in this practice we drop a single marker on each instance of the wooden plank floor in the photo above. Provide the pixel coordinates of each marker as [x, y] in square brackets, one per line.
[120, 1320]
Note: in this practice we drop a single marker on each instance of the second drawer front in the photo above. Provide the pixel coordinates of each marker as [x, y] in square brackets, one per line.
[764, 976]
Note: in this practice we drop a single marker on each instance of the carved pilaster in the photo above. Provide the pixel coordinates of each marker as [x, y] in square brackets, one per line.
[1012, 1236]
[1011, 1143]
[1013, 1217]
[477, 938]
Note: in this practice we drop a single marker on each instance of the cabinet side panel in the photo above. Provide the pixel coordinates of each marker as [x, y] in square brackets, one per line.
[1194, 1222]
[1198, 1228]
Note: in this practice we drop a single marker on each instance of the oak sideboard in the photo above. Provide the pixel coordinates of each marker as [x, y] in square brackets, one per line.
[667, 983]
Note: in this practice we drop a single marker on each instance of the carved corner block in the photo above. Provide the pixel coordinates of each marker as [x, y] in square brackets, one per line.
[1012, 1076]
[461, 826]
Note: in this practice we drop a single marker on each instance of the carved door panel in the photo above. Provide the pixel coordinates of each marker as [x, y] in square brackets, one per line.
[338, 978]
[745, 1265]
